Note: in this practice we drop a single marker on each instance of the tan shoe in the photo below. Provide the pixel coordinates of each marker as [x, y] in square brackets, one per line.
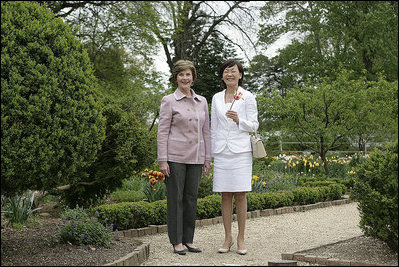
[242, 251]
[225, 250]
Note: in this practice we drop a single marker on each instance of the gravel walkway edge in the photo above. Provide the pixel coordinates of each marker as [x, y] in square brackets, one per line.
[296, 228]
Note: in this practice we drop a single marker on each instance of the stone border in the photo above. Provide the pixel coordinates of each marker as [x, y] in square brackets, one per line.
[135, 258]
[142, 252]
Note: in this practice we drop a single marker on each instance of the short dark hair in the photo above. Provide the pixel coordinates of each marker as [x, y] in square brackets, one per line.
[182, 65]
[228, 64]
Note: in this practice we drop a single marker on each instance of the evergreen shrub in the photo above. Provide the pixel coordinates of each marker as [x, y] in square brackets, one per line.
[376, 191]
[128, 215]
[51, 119]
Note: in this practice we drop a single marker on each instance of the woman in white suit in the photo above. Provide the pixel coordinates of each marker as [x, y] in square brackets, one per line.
[234, 115]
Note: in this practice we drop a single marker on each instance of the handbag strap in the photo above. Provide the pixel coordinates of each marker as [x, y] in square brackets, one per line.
[256, 134]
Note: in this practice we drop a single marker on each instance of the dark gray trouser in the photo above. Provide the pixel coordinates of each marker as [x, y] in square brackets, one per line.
[182, 190]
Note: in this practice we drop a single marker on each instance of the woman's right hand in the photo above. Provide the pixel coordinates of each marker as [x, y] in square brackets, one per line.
[164, 168]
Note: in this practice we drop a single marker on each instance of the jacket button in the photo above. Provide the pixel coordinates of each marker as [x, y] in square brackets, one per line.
[190, 142]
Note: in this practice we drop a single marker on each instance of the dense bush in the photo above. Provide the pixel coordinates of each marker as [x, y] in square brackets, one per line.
[79, 229]
[209, 207]
[376, 190]
[206, 185]
[128, 146]
[140, 214]
[127, 195]
[127, 215]
[51, 119]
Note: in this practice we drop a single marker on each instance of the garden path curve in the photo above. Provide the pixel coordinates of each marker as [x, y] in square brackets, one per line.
[266, 238]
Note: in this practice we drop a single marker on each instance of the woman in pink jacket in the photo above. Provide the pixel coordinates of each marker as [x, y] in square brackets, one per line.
[183, 152]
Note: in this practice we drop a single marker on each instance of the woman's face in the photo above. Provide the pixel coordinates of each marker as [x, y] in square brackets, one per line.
[184, 79]
[231, 76]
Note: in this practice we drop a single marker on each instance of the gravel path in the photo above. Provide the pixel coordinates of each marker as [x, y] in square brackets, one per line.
[266, 238]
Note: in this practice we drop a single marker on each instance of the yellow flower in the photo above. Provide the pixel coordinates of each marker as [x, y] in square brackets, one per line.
[264, 184]
[256, 178]
[252, 181]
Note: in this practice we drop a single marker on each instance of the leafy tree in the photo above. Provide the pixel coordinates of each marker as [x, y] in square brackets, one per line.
[186, 26]
[355, 34]
[322, 115]
[130, 95]
[51, 119]
[377, 121]
[111, 24]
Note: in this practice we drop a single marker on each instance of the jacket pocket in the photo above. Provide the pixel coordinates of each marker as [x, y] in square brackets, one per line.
[176, 147]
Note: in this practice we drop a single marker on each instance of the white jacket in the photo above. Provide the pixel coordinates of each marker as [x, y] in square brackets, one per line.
[224, 131]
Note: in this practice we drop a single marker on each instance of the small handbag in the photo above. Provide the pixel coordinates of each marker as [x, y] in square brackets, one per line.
[258, 149]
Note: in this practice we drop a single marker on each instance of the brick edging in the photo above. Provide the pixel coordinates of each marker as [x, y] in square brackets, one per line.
[134, 258]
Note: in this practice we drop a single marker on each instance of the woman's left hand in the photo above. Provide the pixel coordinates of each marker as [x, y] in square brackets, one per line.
[233, 115]
[207, 167]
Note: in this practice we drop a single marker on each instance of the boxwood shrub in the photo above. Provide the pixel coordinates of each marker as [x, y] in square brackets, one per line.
[139, 214]
[376, 190]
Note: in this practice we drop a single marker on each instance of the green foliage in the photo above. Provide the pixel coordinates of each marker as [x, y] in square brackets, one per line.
[140, 214]
[51, 119]
[18, 208]
[320, 115]
[330, 34]
[376, 190]
[76, 214]
[127, 147]
[209, 207]
[273, 182]
[131, 97]
[206, 184]
[326, 35]
[154, 192]
[121, 195]
[128, 215]
[79, 230]
[105, 23]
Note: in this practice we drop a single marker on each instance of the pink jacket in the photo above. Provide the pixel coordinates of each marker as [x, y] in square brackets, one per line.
[183, 130]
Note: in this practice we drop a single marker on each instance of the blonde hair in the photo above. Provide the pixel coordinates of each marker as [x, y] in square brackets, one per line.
[181, 65]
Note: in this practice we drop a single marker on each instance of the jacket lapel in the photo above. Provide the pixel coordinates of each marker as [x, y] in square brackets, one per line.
[221, 105]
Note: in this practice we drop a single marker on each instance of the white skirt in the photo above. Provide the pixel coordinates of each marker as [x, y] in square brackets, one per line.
[232, 172]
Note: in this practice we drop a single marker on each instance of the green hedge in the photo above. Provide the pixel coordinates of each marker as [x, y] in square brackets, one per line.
[376, 190]
[128, 215]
